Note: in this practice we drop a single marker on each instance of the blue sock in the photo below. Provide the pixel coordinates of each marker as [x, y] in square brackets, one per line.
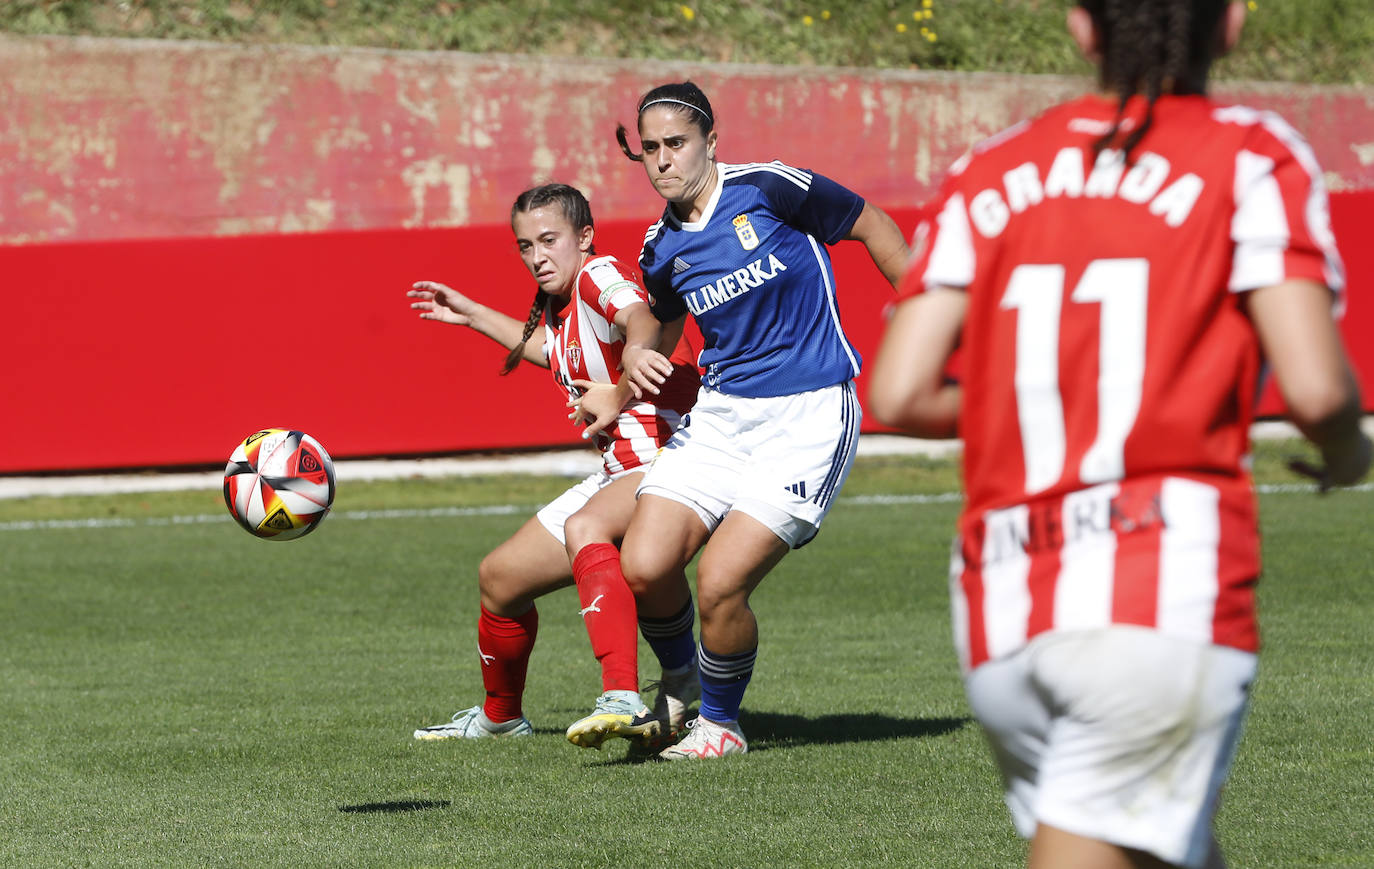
[723, 680]
[671, 638]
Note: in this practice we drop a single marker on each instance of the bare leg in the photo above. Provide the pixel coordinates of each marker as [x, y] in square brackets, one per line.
[1052, 848]
[530, 564]
[739, 555]
[664, 536]
[605, 516]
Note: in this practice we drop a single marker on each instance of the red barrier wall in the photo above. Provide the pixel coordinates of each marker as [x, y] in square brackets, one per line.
[167, 352]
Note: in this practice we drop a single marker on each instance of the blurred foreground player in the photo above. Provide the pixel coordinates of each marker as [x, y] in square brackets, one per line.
[1114, 274]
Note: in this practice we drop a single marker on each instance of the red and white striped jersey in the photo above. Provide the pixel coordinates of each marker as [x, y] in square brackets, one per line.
[582, 342]
[1109, 370]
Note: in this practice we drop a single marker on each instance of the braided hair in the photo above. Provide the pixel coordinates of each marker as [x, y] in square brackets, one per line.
[685, 98]
[579, 214]
[1152, 47]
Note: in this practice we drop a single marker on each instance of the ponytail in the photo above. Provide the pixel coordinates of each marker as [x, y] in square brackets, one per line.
[1150, 47]
[622, 136]
[531, 322]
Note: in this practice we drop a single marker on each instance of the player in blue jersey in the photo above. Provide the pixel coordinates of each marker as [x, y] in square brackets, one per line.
[754, 468]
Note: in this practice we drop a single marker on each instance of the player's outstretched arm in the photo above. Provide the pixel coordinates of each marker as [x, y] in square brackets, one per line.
[441, 303]
[907, 388]
[885, 242]
[1299, 338]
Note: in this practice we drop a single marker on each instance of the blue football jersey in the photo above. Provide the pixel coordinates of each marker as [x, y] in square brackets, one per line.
[755, 273]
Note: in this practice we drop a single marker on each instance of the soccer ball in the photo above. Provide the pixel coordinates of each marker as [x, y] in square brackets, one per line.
[279, 484]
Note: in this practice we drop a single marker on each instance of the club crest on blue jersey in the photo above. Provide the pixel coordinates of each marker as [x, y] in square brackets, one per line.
[747, 237]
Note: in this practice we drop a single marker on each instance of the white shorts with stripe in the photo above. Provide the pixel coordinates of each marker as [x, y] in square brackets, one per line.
[1121, 734]
[780, 460]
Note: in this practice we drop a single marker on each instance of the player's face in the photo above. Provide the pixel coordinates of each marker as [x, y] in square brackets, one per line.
[551, 248]
[678, 158]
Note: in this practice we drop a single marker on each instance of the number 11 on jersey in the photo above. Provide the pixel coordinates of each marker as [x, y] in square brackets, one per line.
[1036, 292]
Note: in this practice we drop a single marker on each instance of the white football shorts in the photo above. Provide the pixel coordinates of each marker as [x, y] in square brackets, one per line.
[780, 460]
[1120, 734]
[553, 514]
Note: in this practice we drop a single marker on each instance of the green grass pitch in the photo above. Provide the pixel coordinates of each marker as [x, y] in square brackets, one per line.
[174, 692]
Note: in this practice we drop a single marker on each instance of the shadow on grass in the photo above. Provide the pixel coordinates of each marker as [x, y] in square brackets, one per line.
[768, 730]
[396, 806]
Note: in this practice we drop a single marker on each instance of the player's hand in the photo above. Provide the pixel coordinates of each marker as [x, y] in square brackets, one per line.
[435, 301]
[1343, 464]
[645, 370]
[597, 407]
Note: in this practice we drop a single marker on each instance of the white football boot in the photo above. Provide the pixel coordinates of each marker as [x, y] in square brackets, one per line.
[617, 713]
[707, 739]
[474, 724]
[676, 693]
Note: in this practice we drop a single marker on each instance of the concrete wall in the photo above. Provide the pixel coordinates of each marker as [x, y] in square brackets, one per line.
[107, 139]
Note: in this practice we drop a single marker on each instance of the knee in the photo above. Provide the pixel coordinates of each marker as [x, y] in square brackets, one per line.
[718, 600]
[643, 571]
[636, 577]
[708, 604]
[493, 583]
[581, 529]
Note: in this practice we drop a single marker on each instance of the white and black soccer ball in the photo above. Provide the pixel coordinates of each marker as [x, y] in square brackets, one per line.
[279, 484]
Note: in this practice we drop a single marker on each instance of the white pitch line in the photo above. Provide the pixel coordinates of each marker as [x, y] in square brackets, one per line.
[573, 463]
[211, 518]
[508, 509]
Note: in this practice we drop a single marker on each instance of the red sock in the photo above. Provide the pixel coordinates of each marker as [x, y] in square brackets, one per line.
[608, 611]
[505, 645]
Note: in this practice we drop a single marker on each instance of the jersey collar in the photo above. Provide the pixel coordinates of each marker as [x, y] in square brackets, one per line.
[699, 224]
